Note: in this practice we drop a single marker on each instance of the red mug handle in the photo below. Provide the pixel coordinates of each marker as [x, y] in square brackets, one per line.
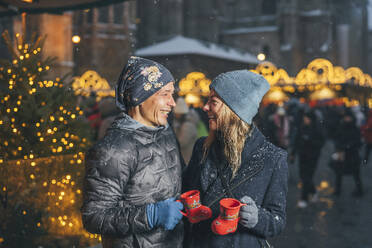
[183, 213]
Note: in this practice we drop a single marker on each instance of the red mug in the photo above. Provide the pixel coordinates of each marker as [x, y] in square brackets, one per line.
[227, 221]
[195, 211]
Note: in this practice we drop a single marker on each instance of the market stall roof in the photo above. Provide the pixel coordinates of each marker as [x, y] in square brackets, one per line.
[180, 45]
[16, 7]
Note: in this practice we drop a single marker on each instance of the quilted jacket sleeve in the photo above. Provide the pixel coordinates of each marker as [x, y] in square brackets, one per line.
[103, 210]
[272, 214]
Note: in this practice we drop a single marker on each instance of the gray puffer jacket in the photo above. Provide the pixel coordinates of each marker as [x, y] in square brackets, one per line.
[132, 166]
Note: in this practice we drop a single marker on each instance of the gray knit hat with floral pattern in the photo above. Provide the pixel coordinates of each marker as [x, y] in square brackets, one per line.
[140, 79]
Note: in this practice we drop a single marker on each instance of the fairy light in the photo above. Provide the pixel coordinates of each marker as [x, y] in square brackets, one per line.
[60, 192]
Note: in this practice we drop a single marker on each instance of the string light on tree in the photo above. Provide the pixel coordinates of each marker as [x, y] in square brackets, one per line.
[36, 113]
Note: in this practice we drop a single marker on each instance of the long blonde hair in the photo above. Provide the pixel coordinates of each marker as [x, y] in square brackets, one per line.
[233, 132]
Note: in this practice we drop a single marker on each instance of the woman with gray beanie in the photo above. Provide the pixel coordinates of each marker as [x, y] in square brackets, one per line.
[236, 161]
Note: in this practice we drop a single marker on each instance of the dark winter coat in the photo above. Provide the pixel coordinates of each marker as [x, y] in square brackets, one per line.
[348, 140]
[132, 166]
[367, 129]
[308, 141]
[262, 176]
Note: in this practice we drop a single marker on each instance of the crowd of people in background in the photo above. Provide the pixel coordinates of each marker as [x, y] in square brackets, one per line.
[303, 130]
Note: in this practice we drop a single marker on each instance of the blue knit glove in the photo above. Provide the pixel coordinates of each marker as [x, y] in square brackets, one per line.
[165, 213]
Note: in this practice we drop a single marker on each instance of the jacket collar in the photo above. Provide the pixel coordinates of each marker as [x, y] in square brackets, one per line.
[125, 122]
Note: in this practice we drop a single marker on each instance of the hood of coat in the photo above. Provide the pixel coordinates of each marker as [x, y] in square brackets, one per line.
[125, 122]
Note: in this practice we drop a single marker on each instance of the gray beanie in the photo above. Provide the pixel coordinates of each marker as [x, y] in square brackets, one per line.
[242, 92]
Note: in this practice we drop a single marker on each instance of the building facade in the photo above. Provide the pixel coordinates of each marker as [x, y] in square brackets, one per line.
[290, 33]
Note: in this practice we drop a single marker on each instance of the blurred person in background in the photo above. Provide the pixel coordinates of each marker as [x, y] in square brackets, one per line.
[366, 130]
[307, 145]
[347, 159]
[281, 122]
[185, 125]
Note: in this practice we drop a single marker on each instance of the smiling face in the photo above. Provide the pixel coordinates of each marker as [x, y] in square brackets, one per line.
[212, 108]
[154, 111]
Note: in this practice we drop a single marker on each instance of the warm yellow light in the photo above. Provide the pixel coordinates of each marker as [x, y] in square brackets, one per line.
[32, 176]
[73, 116]
[19, 148]
[31, 156]
[75, 39]
[49, 130]
[33, 164]
[14, 130]
[261, 57]
[37, 124]
[324, 185]
[38, 134]
[24, 212]
[41, 139]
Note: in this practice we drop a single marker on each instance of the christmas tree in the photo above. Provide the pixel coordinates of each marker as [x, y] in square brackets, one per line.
[43, 136]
